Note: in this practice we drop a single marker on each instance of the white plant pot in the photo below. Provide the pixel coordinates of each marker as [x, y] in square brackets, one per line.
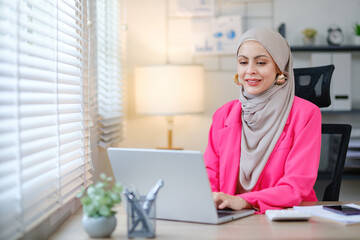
[101, 227]
[309, 41]
[357, 40]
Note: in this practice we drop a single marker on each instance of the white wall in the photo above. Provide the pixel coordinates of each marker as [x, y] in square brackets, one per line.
[156, 34]
[320, 14]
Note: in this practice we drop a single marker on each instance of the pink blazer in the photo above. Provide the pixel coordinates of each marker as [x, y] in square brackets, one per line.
[290, 173]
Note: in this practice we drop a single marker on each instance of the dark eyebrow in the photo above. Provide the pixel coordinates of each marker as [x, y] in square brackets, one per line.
[258, 56]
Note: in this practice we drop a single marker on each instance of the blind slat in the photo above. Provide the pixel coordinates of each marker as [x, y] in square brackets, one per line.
[45, 115]
[43, 135]
[107, 68]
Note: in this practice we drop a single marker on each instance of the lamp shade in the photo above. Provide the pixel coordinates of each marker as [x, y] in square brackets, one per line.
[169, 89]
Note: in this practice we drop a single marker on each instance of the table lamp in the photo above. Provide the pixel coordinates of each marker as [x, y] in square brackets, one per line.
[169, 90]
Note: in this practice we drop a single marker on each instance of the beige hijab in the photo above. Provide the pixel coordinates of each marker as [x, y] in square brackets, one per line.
[264, 115]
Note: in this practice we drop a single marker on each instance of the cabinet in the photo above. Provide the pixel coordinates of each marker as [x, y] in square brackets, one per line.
[341, 57]
[340, 87]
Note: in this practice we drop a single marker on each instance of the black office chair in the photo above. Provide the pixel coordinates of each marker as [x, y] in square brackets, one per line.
[335, 140]
[313, 84]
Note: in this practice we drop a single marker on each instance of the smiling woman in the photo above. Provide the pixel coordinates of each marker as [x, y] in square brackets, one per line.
[256, 68]
[259, 153]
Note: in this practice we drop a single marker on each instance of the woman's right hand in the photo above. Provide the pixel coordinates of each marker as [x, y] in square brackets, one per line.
[223, 201]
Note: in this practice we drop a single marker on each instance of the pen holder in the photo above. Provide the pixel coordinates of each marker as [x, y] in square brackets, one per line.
[141, 218]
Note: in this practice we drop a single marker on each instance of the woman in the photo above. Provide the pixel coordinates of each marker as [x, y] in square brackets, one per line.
[264, 149]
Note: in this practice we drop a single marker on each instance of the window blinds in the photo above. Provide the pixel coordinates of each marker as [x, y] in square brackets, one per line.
[44, 135]
[107, 35]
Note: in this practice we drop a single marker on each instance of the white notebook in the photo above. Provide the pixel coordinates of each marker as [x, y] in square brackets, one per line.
[322, 213]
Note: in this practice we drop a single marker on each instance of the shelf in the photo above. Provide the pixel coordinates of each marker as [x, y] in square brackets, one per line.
[355, 111]
[348, 174]
[351, 175]
[325, 48]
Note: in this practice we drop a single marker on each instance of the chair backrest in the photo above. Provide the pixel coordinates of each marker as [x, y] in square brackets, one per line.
[334, 145]
[313, 84]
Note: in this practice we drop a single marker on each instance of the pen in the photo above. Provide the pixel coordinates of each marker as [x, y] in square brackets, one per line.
[150, 197]
[139, 210]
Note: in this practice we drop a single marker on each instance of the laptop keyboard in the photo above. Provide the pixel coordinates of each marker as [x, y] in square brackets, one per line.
[224, 213]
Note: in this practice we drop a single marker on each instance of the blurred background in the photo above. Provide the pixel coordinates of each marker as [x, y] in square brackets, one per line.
[159, 33]
[162, 32]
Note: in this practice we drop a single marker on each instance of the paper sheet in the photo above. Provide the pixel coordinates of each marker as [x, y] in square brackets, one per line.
[216, 35]
[320, 212]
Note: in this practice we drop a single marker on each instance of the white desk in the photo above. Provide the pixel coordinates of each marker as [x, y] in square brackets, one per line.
[252, 227]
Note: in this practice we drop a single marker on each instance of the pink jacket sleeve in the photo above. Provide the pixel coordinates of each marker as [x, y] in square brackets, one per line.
[211, 155]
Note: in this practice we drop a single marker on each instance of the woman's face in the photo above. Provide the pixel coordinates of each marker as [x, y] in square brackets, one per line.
[256, 68]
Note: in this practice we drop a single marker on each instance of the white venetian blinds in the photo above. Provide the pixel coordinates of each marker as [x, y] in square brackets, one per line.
[107, 36]
[44, 137]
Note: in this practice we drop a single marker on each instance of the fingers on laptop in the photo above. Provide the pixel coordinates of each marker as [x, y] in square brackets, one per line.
[223, 201]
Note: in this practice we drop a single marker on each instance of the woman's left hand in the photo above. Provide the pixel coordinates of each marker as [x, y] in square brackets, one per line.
[223, 200]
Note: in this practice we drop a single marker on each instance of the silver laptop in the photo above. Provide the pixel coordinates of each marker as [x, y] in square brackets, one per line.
[186, 194]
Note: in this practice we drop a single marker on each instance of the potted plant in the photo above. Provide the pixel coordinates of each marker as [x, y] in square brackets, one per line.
[98, 202]
[309, 36]
[357, 33]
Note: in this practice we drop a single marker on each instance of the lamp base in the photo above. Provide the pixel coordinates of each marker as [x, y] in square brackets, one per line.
[170, 148]
[170, 122]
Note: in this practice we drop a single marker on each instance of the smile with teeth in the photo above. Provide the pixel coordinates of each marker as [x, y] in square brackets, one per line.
[252, 82]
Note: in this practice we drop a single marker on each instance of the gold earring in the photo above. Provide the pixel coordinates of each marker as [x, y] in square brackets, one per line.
[236, 79]
[280, 79]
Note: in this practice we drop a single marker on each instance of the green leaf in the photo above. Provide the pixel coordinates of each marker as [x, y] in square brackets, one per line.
[99, 185]
[91, 190]
[102, 176]
[90, 210]
[103, 201]
[117, 188]
[85, 201]
[100, 198]
[115, 197]
[104, 211]
[81, 193]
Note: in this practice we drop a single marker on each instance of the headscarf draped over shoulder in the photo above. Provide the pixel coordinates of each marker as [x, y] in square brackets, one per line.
[264, 115]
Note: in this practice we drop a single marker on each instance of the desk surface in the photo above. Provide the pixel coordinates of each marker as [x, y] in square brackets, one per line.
[252, 227]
